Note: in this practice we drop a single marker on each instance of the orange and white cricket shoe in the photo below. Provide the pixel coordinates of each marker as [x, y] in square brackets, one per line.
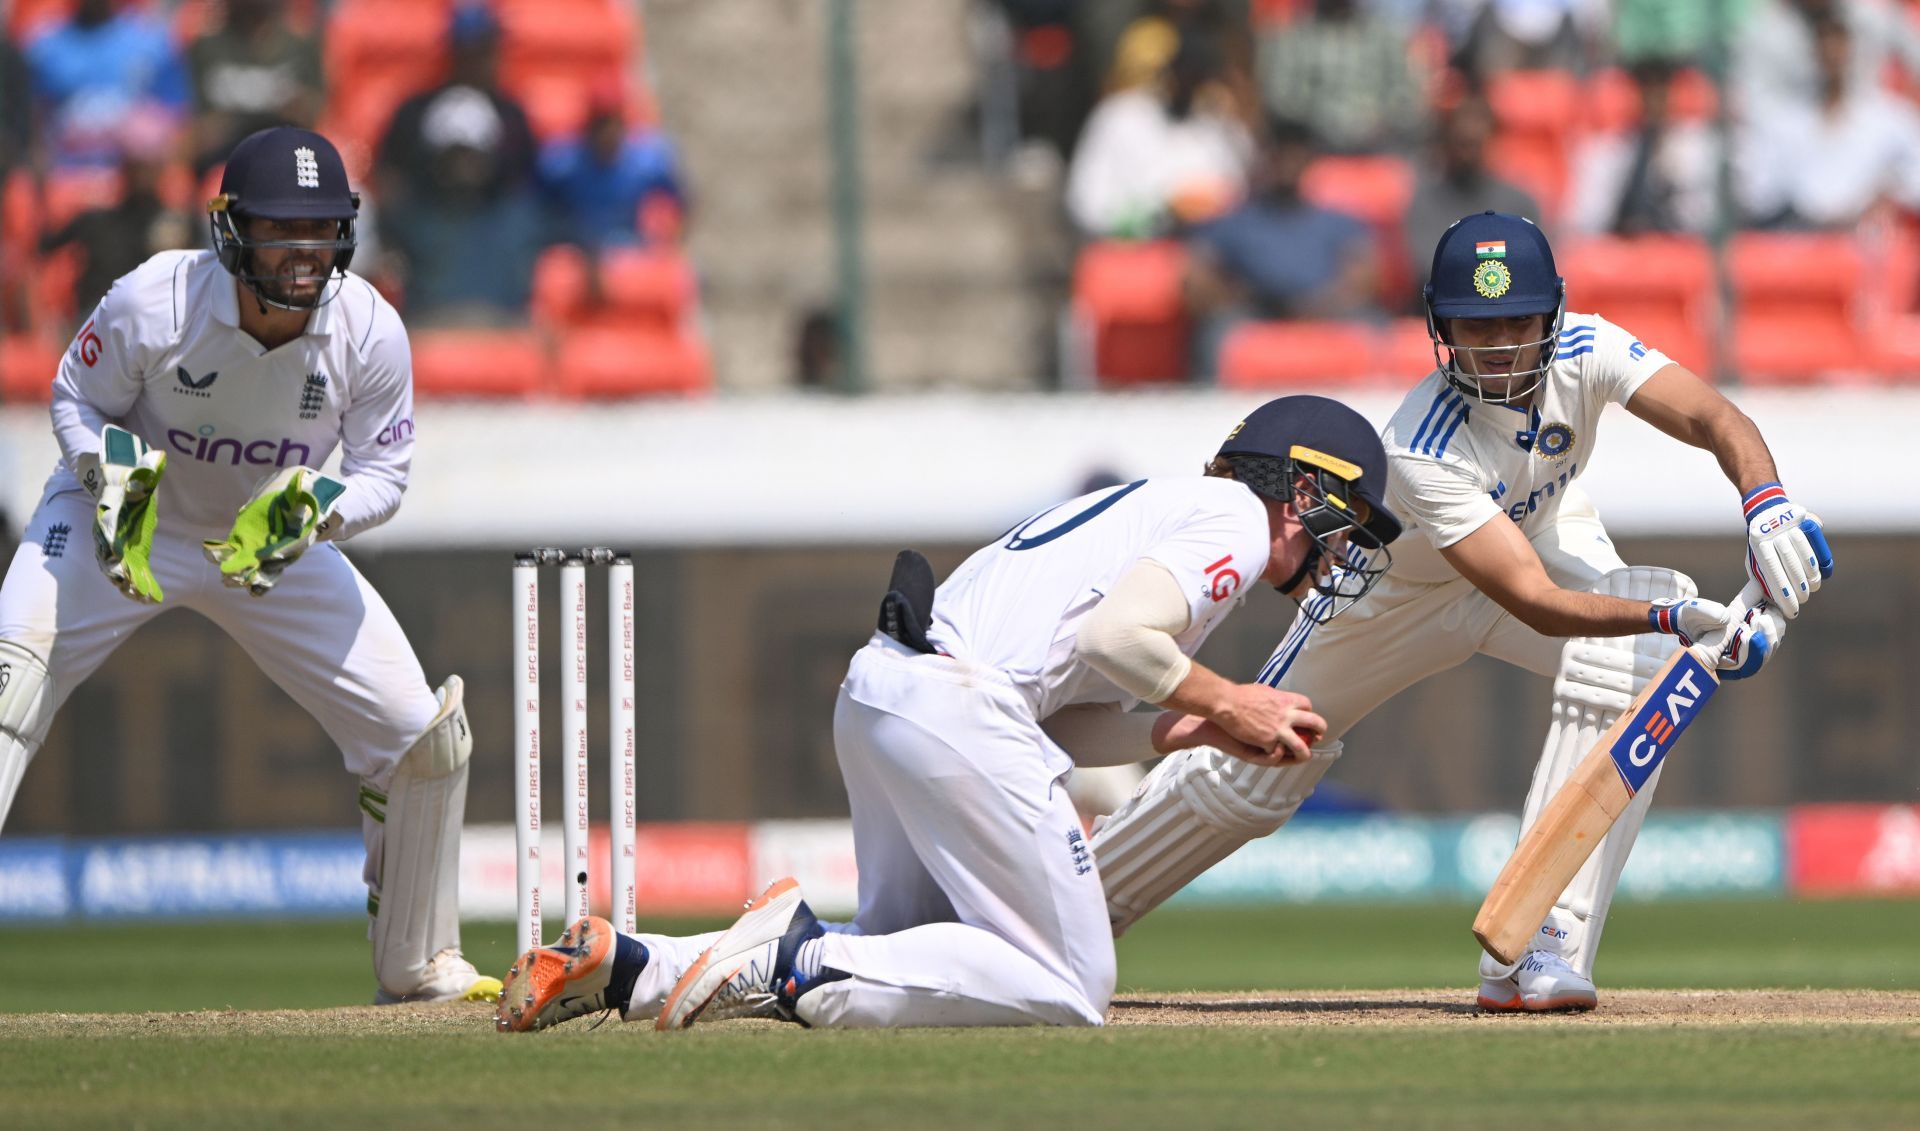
[591, 969]
[749, 970]
[1541, 983]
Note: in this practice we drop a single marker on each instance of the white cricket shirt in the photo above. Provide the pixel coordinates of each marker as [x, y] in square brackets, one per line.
[1017, 604]
[164, 357]
[1455, 463]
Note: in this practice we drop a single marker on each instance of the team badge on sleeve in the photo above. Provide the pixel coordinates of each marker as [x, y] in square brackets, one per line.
[1554, 441]
[1491, 278]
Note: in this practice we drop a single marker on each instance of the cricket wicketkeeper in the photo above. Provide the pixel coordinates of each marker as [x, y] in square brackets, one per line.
[193, 412]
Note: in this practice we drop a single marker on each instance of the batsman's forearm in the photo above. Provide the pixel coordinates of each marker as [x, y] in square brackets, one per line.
[1566, 612]
[1741, 451]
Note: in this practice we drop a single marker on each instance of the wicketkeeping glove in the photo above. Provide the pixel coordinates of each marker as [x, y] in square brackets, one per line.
[123, 480]
[274, 528]
[1787, 550]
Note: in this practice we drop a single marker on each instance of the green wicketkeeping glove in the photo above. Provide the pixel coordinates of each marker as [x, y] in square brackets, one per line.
[124, 480]
[274, 528]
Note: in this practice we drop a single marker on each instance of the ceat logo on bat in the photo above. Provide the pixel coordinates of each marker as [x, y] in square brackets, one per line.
[1671, 706]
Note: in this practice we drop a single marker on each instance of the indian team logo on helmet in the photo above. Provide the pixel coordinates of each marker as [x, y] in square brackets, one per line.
[1491, 278]
[1554, 441]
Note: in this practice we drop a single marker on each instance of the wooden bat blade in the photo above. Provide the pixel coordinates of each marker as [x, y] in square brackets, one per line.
[1553, 849]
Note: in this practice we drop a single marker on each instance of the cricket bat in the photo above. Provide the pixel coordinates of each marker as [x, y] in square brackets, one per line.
[1586, 806]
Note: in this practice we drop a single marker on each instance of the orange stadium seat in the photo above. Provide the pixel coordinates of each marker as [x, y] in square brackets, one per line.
[652, 287]
[1659, 288]
[378, 53]
[478, 363]
[1127, 296]
[27, 367]
[1403, 353]
[1612, 100]
[1260, 355]
[560, 284]
[1795, 317]
[1378, 190]
[603, 362]
[1533, 113]
[585, 41]
[70, 192]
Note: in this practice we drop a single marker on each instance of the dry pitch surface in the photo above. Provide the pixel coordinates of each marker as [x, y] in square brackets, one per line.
[1359, 1008]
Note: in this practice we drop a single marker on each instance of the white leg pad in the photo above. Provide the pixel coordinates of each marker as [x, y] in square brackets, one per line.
[1599, 678]
[1192, 812]
[414, 850]
[23, 717]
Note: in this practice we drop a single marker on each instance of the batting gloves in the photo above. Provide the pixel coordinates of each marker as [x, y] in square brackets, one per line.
[1787, 553]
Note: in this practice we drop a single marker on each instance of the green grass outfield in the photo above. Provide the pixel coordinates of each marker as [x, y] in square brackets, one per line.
[344, 1071]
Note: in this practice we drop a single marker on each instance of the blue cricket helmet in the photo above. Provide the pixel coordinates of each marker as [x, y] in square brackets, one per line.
[1493, 265]
[283, 173]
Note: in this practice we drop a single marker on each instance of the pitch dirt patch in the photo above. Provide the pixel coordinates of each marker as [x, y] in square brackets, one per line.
[1377, 1008]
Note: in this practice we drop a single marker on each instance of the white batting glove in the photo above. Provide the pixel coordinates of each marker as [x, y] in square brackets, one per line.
[1753, 636]
[1787, 552]
[1689, 618]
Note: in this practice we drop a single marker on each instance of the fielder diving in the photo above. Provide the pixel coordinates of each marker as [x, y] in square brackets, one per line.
[1506, 556]
[193, 410]
[958, 723]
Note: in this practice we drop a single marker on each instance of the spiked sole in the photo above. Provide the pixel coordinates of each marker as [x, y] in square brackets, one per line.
[548, 981]
[696, 988]
[1566, 1003]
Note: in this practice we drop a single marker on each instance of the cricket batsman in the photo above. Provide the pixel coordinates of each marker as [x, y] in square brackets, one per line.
[1504, 556]
[193, 411]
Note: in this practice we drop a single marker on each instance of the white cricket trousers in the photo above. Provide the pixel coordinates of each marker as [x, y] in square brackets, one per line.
[323, 635]
[979, 900]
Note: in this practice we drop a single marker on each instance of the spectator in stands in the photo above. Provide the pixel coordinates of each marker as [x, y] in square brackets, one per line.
[1661, 177]
[1454, 181]
[252, 72]
[1826, 166]
[464, 249]
[16, 106]
[1154, 158]
[1347, 74]
[93, 69]
[116, 239]
[1277, 255]
[406, 166]
[1775, 62]
[615, 184]
[459, 215]
[1491, 36]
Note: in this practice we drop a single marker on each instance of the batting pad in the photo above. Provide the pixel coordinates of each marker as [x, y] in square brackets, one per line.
[413, 847]
[23, 718]
[1192, 812]
[1599, 678]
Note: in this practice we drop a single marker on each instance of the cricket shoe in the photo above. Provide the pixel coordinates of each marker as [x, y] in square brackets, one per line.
[1542, 983]
[749, 970]
[591, 969]
[449, 977]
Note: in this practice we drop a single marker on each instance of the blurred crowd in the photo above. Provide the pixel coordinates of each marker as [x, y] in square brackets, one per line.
[1304, 155]
[501, 146]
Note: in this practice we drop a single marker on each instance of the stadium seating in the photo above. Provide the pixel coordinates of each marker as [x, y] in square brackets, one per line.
[610, 362]
[1403, 351]
[1376, 189]
[1611, 101]
[27, 367]
[1262, 355]
[1659, 288]
[1795, 315]
[478, 363]
[1127, 298]
[1534, 112]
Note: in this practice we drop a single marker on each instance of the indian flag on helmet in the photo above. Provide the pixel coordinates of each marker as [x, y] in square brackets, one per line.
[1491, 249]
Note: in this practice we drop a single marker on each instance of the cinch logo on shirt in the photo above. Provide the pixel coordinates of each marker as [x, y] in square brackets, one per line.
[284, 452]
[395, 432]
